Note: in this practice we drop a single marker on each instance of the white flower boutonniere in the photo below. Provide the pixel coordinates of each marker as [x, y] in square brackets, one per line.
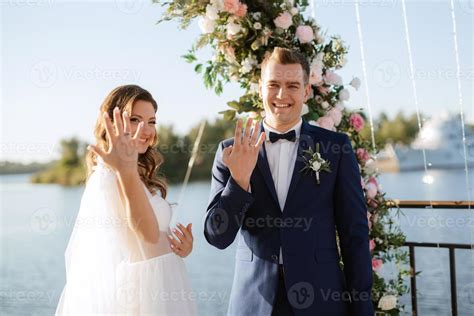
[315, 162]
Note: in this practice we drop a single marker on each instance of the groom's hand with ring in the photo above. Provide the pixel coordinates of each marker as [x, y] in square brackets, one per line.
[241, 157]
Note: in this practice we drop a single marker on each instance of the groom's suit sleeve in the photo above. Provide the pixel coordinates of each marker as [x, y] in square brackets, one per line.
[352, 225]
[228, 203]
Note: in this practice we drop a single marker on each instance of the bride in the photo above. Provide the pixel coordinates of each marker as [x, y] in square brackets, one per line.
[122, 257]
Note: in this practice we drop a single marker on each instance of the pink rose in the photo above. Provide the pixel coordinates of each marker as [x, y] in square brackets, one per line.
[231, 6]
[372, 245]
[284, 20]
[316, 75]
[242, 11]
[374, 181]
[362, 154]
[335, 115]
[332, 78]
[235, 7]
[325, 122]
[371, 190]
[376, 264]
[356, 121]
[304, 33]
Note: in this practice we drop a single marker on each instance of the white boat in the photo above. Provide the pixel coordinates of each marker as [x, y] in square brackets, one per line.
[442, 140]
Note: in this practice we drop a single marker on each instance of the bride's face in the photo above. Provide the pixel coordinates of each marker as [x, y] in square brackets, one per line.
[143, 111]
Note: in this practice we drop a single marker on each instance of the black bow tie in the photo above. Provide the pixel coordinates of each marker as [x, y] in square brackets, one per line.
[290, 136]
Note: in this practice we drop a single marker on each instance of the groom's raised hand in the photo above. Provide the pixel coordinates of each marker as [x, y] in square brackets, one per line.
[241, 157]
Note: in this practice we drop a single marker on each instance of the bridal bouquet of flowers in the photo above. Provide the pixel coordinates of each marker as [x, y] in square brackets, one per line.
[240, 33]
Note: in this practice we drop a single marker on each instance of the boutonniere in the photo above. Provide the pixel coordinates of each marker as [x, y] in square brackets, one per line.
[313, 161]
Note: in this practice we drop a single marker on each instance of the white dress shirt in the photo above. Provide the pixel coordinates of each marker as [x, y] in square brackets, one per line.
[281, 156]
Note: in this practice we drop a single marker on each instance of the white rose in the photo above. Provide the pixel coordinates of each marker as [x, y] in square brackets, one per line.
[388, 302]
[370, 167]
[253, 87]
[257, 26]
[344, 95]
[304, 109]
[233, 28]
[218, 4]
[212, 12]
[206, 25]
[355, 83]
[247, 65]
[256, 15]
[294, 11]
[316, 165]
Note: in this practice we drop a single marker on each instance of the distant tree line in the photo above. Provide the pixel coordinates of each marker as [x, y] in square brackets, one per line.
[70, 169]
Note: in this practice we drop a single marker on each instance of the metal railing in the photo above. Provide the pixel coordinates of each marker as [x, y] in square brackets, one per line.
[412, 204]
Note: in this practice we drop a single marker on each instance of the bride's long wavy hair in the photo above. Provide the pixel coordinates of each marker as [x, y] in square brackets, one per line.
[149, 162]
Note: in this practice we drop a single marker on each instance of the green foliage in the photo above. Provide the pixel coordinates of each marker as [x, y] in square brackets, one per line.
[402, 129]
[70, 169]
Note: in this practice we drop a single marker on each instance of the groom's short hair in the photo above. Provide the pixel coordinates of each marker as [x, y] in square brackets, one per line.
[287, 56]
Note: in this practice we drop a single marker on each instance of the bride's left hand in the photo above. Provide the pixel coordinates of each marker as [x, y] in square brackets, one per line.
[184, 244]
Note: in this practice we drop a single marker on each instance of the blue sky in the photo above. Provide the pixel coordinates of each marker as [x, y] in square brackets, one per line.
[59, 59]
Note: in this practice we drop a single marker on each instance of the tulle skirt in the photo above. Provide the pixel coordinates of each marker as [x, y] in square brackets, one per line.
[157, 286]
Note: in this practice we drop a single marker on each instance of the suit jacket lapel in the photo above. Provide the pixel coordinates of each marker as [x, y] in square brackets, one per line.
[262, 164]
[304, 142]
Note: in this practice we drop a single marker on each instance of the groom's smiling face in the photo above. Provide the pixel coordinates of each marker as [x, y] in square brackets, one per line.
[283, 89]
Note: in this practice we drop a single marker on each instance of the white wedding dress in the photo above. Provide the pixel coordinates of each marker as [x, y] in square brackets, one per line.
[110, 271]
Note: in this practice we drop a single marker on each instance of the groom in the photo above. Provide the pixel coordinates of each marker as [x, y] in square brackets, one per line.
[285, 219]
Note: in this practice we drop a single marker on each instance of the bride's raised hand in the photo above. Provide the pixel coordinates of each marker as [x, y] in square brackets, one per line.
[122, 154]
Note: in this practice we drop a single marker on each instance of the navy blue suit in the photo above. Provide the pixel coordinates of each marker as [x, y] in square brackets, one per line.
[305, 230]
